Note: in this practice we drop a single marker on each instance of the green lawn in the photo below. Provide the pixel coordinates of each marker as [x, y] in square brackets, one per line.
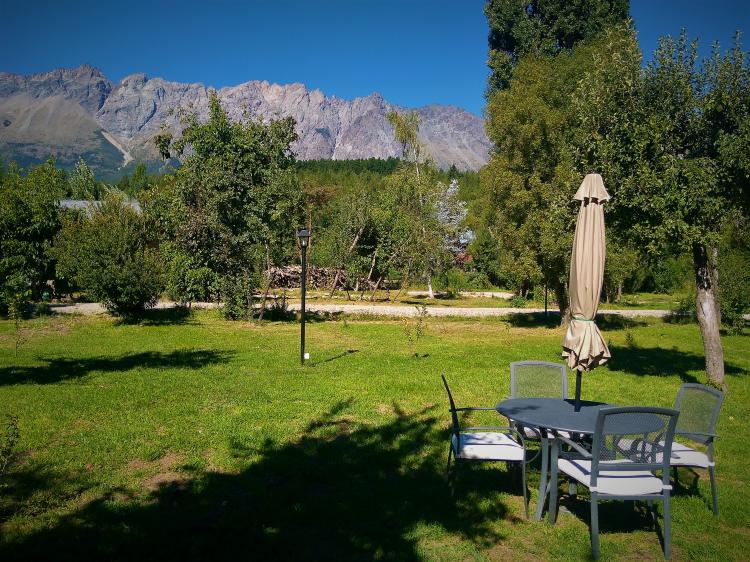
[198, 438]
[636, 301]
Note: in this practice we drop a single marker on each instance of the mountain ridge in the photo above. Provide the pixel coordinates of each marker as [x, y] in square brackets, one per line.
[127, 114]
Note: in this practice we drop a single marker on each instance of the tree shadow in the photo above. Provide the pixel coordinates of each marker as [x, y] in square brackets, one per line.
[334, 357]
[175, 315]
[341, 491]
[658, 361]
[57, 369]
[552, 320]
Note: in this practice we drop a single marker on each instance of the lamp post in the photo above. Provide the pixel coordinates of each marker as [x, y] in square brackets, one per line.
[304, 239]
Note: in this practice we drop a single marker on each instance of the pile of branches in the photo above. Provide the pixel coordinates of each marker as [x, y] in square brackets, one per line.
[288, 277]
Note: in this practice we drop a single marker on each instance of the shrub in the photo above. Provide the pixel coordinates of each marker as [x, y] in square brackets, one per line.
[519, 301]
[110, 254]
[734, 292]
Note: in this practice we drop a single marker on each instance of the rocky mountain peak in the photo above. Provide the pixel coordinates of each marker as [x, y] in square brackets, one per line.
[132, 112]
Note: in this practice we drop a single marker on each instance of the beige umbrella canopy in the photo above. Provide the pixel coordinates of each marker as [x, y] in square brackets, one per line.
[583, 345]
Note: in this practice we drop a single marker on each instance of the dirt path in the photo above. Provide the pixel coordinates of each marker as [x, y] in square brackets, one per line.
[378, 310]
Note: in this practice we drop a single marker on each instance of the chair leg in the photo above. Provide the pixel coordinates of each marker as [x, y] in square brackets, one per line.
[594, 525]
[712, 476]
[572, 488]
[675, 477]
[667, 527]
[525, 491]
[651, 512]
[448, 468]
[553, 483]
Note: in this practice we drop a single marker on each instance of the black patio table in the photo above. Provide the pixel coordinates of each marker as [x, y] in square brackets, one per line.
[550, 416]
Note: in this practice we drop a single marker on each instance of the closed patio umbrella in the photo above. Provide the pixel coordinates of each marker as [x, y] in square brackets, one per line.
[583, 346]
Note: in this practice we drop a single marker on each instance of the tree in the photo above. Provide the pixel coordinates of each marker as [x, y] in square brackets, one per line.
[233, 205]
[29, 220]
[672, 138]
[82, 184]
[542, 27]
[526, 205]
[110, 253]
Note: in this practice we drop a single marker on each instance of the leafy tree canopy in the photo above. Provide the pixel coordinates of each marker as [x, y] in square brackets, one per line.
[542, 27]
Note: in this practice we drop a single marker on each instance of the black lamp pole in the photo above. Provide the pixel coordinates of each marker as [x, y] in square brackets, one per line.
[304, 238]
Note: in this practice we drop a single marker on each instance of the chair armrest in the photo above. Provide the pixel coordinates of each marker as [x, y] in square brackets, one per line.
[586, 454]
[699, 433]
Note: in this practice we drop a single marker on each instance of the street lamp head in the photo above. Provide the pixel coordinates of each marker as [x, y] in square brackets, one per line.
[304, 236]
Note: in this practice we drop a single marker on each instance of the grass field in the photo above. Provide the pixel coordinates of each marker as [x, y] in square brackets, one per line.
[636, 301]
[190, 437]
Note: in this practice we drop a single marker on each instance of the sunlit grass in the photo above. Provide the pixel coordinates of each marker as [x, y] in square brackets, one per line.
[195, 437]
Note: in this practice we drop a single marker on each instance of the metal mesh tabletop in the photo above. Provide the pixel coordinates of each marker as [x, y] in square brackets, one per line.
[552, 413]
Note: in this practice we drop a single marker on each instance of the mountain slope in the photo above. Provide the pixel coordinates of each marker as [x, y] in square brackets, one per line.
[71, 112]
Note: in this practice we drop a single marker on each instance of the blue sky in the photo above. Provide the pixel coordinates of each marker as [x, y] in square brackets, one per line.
[414, 52]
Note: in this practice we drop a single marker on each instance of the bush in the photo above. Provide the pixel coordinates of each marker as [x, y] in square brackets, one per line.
[111, 255]
[519, 301]
[734, 289]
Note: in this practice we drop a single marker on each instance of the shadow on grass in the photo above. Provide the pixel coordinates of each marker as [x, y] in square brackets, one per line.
[552, 320]
[175, 315]
[56, 370]
[657, 361]
[342, 491]
[334, 357]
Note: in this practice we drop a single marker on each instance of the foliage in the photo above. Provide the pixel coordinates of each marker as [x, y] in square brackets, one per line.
[542, 27]
[82, 184]
[621, 263]
[109, 253]
[666, 138]
[139, 182]
[518, 301]
[414, 328]
[525, 217]
[734, 294]
[29, 219]
[8, 442]
[233, 199]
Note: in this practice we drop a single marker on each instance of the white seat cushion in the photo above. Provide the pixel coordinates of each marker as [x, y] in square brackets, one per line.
[529, 433]
[682, 455]
[487, 445]
[613, 482]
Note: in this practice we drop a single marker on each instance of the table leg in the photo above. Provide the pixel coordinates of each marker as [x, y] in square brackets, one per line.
[543, 485]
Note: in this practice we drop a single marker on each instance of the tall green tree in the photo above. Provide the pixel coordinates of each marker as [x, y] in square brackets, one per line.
[110, 252]
[233, 205]
[542, 27]
[29, 220]
[671, 139]
[526, 206]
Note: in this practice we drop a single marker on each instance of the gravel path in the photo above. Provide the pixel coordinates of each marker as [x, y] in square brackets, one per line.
[377, 310]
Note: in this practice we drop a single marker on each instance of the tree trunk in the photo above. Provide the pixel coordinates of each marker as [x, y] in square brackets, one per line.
[430, 292]
[715, 279]
[619, 292]
[341, 266]
[708, 318]
[561, 295]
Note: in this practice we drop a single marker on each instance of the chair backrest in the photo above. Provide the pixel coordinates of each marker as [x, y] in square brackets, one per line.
[633, 438]
[699, 407]
[538, 379]
[454, 414]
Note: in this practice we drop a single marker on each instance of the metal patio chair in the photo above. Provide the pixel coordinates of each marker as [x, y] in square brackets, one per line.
[490, 444]
[631, 445]
[699, 407]
[537, 379]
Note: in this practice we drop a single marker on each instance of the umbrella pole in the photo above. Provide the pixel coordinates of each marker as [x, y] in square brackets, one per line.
[578, 391]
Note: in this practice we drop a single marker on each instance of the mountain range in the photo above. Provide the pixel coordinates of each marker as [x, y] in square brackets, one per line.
[79, 112]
